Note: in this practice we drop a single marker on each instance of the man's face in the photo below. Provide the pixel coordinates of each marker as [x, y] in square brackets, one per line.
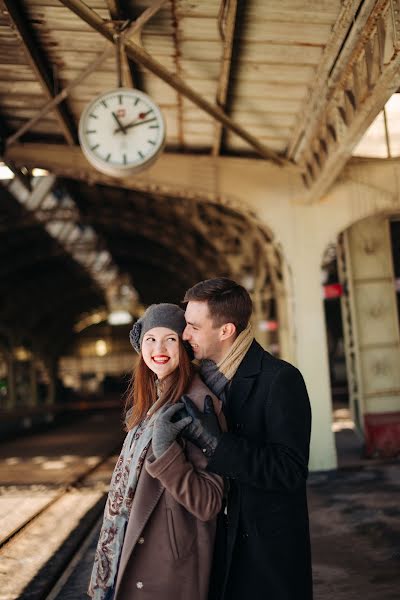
[201, 333]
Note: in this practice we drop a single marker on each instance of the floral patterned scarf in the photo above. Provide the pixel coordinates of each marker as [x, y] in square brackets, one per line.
[118, 506]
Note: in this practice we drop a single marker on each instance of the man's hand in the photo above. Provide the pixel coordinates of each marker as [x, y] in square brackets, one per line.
[165, 430]
[204, 430]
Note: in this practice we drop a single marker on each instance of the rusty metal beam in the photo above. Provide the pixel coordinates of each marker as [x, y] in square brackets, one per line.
[128, 75]
[227, 32]
[346, 30]
[363, 84]
[12, 10]
[139, 55]
[70, 163]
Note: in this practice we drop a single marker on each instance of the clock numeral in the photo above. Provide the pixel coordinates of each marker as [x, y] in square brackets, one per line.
[91, 131]
[154, 126]
[95, 146]
[124, 159]
[141, 154]
[104, 103]
[120, 98]
[152, 142]
[108, 157]
[136, 101]
[93, 116]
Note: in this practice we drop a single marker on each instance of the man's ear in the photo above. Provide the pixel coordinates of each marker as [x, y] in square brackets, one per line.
[227, 331]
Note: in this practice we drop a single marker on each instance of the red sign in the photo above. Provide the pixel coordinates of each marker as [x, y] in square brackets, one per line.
[333, 290]
[268, 325]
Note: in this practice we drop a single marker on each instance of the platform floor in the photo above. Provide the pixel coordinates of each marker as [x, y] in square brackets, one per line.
[354, 511]
[355, 530]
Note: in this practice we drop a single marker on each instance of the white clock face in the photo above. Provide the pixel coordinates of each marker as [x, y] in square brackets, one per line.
[121, 131]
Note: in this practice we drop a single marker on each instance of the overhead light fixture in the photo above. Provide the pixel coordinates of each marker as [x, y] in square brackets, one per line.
[5, 172]
[119, 317]
[22, 354]
[121, 300]
[37, 172]
[101, 347]
[248, 281]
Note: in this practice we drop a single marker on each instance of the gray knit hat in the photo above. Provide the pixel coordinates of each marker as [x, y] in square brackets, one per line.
[157, 315]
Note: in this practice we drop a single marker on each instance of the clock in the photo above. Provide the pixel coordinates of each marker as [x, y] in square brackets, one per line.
[121, 132]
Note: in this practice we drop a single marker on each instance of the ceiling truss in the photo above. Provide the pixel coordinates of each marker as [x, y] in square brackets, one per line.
[227, 23]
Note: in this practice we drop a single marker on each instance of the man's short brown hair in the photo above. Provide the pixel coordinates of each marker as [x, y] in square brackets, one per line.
[228, 302]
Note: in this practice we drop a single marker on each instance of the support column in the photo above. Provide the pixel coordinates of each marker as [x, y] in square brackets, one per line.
[310, 343]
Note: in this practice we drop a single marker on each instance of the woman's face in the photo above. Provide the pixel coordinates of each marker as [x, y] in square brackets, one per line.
[160, 351]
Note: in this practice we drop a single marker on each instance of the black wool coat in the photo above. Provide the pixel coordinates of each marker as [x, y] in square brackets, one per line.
[263, 545]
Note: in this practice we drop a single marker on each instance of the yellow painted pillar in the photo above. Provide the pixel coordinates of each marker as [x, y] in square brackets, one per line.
[310, 340]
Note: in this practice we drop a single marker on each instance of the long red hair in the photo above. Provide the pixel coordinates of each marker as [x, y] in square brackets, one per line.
[142, 393]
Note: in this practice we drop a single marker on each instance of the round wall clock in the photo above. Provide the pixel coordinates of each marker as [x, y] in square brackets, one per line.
[121, 131]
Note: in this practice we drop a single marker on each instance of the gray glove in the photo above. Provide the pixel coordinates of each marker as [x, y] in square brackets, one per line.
[165, 430]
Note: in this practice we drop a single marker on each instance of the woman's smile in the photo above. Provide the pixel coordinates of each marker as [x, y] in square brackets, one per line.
[160, 359]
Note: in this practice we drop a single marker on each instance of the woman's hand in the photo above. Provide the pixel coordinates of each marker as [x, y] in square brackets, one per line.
[166, 430]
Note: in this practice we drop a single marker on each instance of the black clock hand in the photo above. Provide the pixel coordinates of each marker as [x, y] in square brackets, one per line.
[135, 124]
[120, 126]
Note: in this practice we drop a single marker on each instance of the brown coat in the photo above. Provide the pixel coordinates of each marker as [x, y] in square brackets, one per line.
[169, 541]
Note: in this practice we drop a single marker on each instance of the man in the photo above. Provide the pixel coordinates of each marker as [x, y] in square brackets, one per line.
[263, 547]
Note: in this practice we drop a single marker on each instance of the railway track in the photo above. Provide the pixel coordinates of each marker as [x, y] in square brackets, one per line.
[74, 506]
[64, 489]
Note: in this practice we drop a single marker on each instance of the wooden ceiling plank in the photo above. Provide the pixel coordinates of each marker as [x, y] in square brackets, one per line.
[139, 55]
[228, 32]
[12, 9]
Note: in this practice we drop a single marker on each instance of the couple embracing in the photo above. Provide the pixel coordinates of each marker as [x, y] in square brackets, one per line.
[208, 497]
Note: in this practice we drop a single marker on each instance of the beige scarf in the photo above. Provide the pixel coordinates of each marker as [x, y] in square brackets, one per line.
[216, 376]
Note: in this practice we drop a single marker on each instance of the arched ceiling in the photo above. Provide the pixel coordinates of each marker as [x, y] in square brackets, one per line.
[163, 244]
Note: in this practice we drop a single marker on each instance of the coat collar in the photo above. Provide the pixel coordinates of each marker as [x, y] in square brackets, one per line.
[243, 381]
[251, 364]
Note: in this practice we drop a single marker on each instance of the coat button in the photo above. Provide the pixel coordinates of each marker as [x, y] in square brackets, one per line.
[139, 584]
[141, 540]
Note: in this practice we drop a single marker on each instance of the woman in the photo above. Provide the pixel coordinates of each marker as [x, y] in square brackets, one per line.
[159, 522]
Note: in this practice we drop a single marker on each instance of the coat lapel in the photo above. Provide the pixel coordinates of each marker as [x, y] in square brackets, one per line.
[243, 381]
